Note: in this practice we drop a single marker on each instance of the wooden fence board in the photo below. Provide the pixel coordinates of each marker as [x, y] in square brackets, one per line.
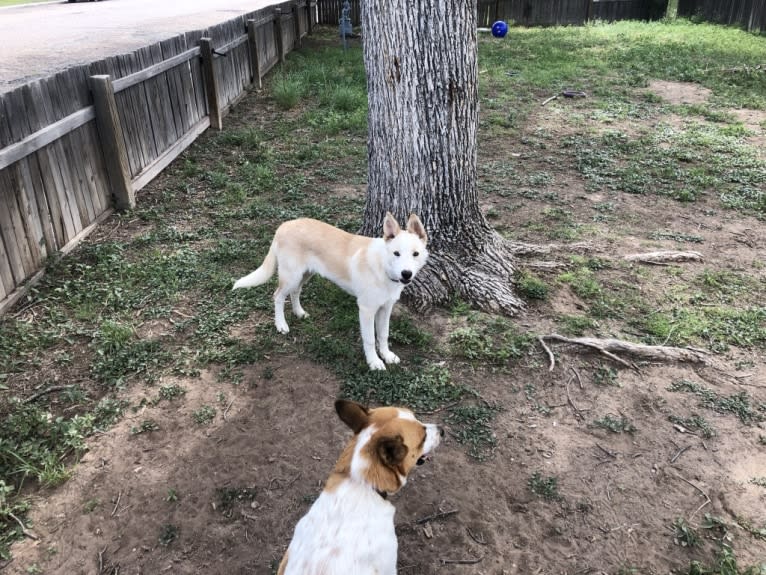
[136, 111]
[57, 176]
[69, 168]
[175, 87]
[46, 177]
[75, 147]
[39, 231]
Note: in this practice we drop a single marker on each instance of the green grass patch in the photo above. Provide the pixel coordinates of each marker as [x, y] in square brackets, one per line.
[544, 487]
[739, 404]
[471, 425]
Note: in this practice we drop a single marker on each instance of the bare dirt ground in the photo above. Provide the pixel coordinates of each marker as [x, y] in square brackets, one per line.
[223, 499]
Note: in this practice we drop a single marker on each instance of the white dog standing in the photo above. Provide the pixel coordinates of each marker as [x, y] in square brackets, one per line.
[375, 270]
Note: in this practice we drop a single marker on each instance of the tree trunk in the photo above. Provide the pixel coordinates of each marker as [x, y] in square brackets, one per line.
[422, 82]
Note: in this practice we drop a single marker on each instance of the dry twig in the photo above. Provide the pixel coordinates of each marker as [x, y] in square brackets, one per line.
[440, 515]
[462, 561]
[31, 398]
[24, 530]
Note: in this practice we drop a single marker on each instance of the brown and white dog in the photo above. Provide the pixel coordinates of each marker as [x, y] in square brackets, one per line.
[349, 529]
[375, 270]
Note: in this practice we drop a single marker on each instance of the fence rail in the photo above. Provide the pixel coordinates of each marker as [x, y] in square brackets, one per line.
[747, 14]
[79, 144]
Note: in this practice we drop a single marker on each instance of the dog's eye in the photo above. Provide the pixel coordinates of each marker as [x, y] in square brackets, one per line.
[396, 254]
[415, 254]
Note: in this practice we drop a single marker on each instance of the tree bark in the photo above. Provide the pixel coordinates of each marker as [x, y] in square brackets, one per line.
[422, 83]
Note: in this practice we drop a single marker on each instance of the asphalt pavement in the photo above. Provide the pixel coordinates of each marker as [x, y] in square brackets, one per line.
[42, 39]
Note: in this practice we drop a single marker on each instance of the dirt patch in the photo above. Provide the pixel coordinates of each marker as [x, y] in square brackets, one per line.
[679, 92]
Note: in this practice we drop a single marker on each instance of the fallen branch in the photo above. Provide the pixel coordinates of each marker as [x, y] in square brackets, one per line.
[610, 347]
[663, 257]
[31, 398]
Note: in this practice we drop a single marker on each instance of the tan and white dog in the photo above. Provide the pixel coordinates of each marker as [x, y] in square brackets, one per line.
[375, 270]
[349, 529]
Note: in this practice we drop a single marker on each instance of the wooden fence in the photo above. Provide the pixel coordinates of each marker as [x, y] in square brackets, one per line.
[77, 145]
[747, 14]
[527, 12]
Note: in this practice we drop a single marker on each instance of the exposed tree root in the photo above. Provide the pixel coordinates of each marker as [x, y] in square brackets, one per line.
[662, 257]
[611, 347]
[482, 278]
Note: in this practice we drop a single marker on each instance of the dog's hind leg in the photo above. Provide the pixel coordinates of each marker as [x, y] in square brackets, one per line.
[295, 298]
[382, 319]
[287, 285]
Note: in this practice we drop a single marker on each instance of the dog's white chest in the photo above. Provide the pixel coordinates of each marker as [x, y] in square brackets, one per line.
[348, 531]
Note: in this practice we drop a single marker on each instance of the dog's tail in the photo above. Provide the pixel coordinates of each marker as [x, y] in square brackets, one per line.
[262, 274]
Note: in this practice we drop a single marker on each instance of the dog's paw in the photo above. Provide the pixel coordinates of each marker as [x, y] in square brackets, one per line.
[301, 314]
[282, 328]
[376, 364]
[390, 357]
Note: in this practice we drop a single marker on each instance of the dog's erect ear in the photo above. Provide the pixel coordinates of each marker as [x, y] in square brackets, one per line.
[390, 227]
[391, 450]
[415, 226]
[354, 415]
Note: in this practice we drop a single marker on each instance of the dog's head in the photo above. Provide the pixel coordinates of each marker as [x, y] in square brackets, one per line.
[406, 249]
[389, 442]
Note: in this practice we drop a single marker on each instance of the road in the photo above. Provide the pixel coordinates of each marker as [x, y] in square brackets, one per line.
[41, 39]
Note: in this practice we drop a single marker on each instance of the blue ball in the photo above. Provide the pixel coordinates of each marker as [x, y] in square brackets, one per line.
[499, 29]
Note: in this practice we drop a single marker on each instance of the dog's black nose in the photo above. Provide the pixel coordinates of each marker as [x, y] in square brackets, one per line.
[441, 431]
[406, 274]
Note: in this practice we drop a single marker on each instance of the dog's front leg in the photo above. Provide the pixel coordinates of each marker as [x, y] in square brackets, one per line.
[382, 319]
[367, 327]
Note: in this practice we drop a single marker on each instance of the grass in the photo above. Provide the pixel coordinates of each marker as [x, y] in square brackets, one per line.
[739, 404]
[544, 487]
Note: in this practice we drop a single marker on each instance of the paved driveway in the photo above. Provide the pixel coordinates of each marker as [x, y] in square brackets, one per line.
[40, 39]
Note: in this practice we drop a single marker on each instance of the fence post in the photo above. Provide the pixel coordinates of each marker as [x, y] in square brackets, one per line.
[255, 58]
[211, 85]
[297, 25]
[278, 34]
[112, 142]
[311, 7]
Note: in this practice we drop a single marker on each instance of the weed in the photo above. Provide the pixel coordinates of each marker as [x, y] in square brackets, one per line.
[471, 426]
[576, 325]
[604, 375]
[228, 497]
[495, 341]
[738, 404]
[545, 487]
[172, 495]
[146, 426]
[684, 534]
[168, 534]
[204, 415]
[760, 481]
[532, 287]
[170, 392]
[90, 505]
[676, 237]
[695, 423]
[615, 425]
